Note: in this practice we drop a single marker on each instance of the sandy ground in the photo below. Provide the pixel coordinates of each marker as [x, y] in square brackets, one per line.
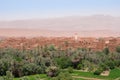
[49, 33]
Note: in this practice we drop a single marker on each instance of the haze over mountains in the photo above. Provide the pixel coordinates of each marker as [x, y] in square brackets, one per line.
[86, 26]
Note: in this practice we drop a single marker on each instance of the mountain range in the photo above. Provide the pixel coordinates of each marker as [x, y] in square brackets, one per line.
[84, 26]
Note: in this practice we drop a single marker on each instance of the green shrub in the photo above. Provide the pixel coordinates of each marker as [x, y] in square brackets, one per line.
[118, 49]
[8, 76]
[51, 47]
[24, 78]
[4, 66]
[104, 66]
[106, 51]
[70, 70]
[30, 69]
[80, 66]
[63, 62]
[52, 71]
[98, 71]
[63, 76]
[111, 64]
[2, 78]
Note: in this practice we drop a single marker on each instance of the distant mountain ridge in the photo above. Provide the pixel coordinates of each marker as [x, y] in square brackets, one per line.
[73, 23]
[95, 26]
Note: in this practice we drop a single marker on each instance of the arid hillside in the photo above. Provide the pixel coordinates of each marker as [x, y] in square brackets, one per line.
[85, 26]
[73, 23]
[50, 33]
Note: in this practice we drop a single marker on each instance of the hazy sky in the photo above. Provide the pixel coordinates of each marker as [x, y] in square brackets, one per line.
[29, 9]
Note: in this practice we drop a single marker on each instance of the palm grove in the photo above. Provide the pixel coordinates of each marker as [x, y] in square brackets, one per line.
[51, 60]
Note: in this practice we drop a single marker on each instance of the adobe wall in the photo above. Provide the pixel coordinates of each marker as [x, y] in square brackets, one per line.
[63, 42]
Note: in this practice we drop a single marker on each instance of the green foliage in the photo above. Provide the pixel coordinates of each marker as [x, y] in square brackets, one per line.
[63, 62]
[24, 78]
[9, 76]
[4, 66]
[31, 68]
[104, 66]
[33, 77]
[51, 47]
[63, 76]
[66, 43]
[106, 51]
[70, 70]
[111, 64]
[117, 63]
[91, 75]
[52, 71]
[98, 71]
[80, 66]
[115, 73]
[16, 68]
[118, 49]
[36, 61]
[2, 78]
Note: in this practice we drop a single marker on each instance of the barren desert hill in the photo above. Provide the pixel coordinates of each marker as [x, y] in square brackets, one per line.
[51, 33]
[84, 26]
[71, 23]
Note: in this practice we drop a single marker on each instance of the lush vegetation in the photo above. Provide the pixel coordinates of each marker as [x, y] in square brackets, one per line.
[115, 73]
[53, 62]
[78, 75]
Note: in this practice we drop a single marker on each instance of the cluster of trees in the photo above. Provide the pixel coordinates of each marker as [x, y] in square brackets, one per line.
[50, 60]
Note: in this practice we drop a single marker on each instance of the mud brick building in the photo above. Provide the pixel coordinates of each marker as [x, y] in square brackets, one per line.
[61, 42]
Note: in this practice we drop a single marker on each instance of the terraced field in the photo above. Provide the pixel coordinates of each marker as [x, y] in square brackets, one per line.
[78, 75]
